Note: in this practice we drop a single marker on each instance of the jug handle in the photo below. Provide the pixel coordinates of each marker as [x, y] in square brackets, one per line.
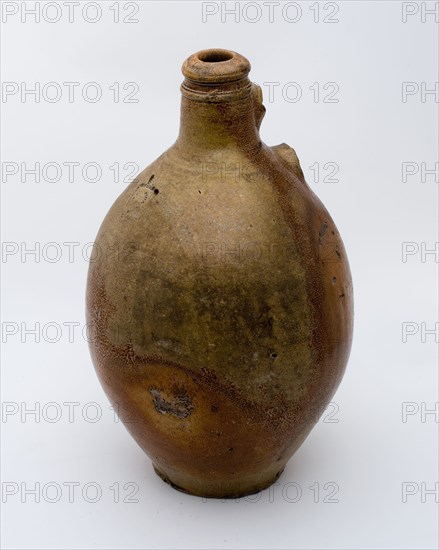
[258, 106]
[289, 158]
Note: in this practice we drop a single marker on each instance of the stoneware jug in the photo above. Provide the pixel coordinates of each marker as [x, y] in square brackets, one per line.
[220, 295]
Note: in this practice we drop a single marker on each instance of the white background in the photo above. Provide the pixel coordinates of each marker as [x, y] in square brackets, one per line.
[363, 444]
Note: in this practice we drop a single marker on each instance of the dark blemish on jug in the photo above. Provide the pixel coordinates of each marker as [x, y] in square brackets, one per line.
[180, 406]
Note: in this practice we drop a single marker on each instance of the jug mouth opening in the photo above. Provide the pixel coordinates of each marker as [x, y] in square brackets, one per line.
[214, 55]
[216, 75]
[215, 66]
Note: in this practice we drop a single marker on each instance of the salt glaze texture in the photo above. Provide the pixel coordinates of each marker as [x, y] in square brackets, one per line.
[220, 295]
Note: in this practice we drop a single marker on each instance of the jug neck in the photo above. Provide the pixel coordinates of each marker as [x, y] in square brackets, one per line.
[220, 106]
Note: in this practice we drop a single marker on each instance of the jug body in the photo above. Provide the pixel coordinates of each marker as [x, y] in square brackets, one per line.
[220, 296]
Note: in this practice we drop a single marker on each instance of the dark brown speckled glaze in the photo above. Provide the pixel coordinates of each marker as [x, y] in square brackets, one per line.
[220, 296]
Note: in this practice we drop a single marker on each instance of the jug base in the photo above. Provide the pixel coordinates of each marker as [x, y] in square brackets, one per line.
[219, 489]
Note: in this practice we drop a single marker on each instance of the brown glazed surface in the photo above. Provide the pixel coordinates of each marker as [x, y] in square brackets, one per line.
[220, 295]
